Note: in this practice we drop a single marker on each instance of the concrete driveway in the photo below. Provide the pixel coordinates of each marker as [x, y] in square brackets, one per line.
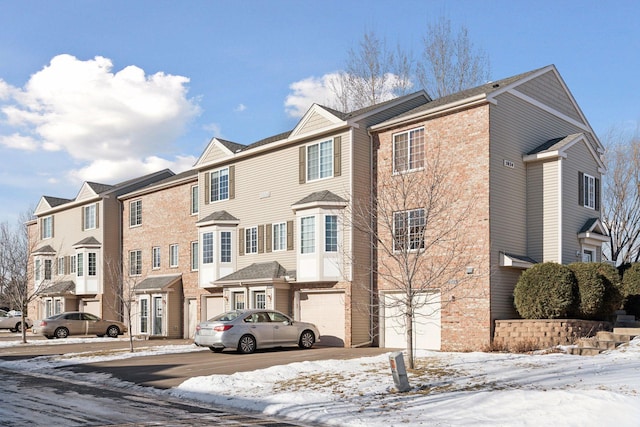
[169, 370]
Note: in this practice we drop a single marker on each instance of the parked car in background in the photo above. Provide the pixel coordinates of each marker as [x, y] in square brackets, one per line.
[9, 320]
[248, 330]
[77, 323]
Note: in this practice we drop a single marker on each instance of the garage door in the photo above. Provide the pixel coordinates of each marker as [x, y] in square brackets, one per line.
[326, 311]
[212, 307]
[426, 328]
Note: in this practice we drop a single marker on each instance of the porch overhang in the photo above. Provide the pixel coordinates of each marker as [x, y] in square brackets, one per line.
[516, 261]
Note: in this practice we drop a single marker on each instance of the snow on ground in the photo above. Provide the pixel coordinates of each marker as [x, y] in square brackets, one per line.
[448, 389]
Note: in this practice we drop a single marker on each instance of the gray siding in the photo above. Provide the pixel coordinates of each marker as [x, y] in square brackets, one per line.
[548, 90]
[315, 122]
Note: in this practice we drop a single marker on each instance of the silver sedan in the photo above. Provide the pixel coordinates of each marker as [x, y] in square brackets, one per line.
[248, 330]
[77, 323]
[13, 321]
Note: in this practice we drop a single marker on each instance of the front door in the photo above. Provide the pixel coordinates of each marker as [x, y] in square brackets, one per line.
[157, 315]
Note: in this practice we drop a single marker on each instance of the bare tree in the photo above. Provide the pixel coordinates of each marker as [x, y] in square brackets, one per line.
[621, 196]
[450, 62]
[373, 74]
[421, 226]
[16, 268]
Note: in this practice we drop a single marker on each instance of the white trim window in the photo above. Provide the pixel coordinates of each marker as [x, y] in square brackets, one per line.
[173, 256]
[280, 237]
[320, 160]
[251, 240]
[92, 264]
[331, 233]
[80, 263]
[195, 203]
[155, 257]
[589, 191]
[238, 300]
[72, 264]
[135, 263]
[60, 270]
[90, 213]
[408, 230]
[259, 300]
[308, 235]
[219, 185]
[194, 256]
[225, 246]
[408, 150]
[47, 227]
[135, 213]
[207, 248]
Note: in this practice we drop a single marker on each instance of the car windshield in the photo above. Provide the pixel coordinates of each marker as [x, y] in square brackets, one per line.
[89, 316]
[226, 317]
[55, 316]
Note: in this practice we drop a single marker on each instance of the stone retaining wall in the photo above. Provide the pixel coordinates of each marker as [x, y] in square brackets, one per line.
[544, 333]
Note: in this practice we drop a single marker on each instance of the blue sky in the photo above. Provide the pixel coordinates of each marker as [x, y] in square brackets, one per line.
[104, 91]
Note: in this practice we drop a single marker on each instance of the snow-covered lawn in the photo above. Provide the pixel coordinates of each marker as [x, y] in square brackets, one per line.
[448, 389]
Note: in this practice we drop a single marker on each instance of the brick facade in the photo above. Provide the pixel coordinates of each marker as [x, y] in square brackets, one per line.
[545, 333]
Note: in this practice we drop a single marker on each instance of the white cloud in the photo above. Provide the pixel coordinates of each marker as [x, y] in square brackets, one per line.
[309, 91]
[89, 112]
[240, 108]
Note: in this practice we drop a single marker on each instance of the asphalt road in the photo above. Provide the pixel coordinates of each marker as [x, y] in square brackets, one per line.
[169, 370]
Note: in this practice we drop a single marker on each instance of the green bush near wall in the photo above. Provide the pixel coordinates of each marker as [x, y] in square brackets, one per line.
[631, 289]
[546, 291]
[599, 290]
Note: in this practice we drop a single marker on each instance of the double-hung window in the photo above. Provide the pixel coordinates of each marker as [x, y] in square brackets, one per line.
[90, 217]
[47, 227]
[194, 256]
[135, 213]
[225, 246]
[251, 240]
[47, 269]
[280, 236]
[80, 269]
[92, 264]
[320, 160]
[308, 235]
[61, 271]
[195, 206]
[331, 233]
[155, 257]
[173, 256]
[219, 185]
[72, 264]
[408, 150]
[207, 248]
[589, 191]
[408, 230]
[135, 263]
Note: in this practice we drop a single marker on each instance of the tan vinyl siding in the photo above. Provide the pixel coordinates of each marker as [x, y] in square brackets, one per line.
[548, 90]
[314, 122]
[266, 186]
[85, 193]
[574, 217]
[215, 153]
[551, 212]
[535, 213]
[282, 300]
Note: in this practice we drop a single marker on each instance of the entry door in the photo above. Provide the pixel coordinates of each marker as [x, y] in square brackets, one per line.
[157, 315]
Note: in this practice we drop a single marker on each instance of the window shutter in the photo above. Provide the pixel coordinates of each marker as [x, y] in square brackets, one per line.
[597, 191]
[269, 240]
[261, 239]
[580, 188]
[302, 171]
[97, 215]
[241, 242]
[207, 188]
[337, 156]
[67, 266]
[82, 218]
[53, 227]
[232, 182]
[289, 235]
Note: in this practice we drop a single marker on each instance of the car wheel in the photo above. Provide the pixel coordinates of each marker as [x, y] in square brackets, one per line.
[307, 339]
[18, 327]
[247, 344]
[113, 331]
[61, 333]
[216, 349]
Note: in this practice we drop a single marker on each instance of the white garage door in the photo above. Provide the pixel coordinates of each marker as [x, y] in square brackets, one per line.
[326, 311]
[426, 327]
[212, 306]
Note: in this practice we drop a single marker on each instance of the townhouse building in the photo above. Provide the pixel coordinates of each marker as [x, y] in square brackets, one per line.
[160, 257]
[76, 250]
[522, 155]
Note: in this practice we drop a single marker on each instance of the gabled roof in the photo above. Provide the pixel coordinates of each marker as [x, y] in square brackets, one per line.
[218, 217]
[181, 178]
[61, 288]
[557, 147]
[158, 283]
[324, 198]
[55, 201]
[266, 271]
[44, 250]
[87, 242]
